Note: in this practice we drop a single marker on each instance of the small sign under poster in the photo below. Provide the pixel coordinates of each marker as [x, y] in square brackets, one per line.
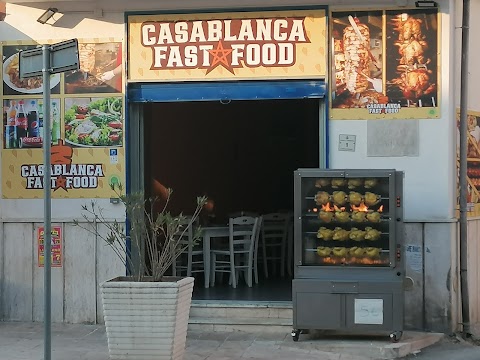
[56, 246]
[369, 311]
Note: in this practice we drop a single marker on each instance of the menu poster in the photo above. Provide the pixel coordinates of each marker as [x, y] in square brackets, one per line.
[384, 64]
[473, 162]
[13, 85]
[100, 69]
[56, 246]
[87, 132]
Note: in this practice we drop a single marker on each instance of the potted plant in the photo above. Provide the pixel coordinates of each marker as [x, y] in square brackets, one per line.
[146, 313]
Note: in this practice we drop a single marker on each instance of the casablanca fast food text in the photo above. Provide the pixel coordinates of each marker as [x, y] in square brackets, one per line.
[72, 176]
[253, 42]
[383, 108]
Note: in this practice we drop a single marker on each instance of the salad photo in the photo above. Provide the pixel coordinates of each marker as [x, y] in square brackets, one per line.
[94, 122]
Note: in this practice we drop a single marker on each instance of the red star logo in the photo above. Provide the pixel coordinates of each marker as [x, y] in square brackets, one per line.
[220, 57]
[61, 183]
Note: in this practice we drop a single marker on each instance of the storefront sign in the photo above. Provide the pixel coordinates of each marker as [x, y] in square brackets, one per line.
[385, 65]
[56, 246]
[224, 46]
[87, 115]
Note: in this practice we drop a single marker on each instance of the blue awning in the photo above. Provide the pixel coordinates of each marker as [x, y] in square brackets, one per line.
[224, 91]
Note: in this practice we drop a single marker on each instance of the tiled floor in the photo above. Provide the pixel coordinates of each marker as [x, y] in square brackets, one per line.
[272, 289]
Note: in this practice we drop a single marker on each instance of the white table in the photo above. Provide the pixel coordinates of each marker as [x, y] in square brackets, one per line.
[210, 232]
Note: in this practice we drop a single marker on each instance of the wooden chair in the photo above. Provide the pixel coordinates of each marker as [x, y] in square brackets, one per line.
[239, 256]
[274, 241]
[191, 260]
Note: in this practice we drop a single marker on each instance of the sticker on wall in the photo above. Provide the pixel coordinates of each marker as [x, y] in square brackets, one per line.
[56, 246]
[384, 64]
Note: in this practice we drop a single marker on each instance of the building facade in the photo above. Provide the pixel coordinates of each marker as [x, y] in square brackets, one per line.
[157, 53]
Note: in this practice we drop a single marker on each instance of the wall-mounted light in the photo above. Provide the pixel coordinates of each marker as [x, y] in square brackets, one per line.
[425, 4]
[47, 15]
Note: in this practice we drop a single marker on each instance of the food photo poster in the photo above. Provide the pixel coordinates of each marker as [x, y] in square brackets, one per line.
[13, 84]
[86, 127]
[384, 64]
[473, 163]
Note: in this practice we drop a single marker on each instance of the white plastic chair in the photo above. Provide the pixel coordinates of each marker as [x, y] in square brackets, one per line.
[239, 256]
[274, 241]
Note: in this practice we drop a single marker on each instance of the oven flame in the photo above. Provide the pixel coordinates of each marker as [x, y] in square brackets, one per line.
[353, 260]
[316, 210]
[327, 208]
[338, 209]
[362, 207]
[380, 209]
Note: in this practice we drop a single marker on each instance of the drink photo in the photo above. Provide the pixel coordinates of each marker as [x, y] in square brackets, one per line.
[23, 123]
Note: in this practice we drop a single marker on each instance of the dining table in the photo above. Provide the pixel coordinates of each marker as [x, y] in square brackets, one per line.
[210, 232]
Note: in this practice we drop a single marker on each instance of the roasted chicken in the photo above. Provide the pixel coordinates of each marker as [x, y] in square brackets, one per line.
[371, 199]
[325, 216]
[338, 183]
[358, 216]
[414, 83]
[320, 183]
[355, 198]
[409, 29]
[342, 216]
[323, 251]
[339, 198]
[412, 52]
[357, 251]
[340, 234]
[373, 216]
[372, 234]
[354, 183]
[370, 183]
[372, 252]
[339, 251]
[325, 234]
[322, 198]
[357, 235]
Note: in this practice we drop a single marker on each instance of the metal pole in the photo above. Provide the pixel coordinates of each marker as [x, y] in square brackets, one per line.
[47, 225]
[463, 169]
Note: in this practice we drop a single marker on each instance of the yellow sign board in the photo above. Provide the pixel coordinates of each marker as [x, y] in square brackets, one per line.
[76, 173]
[227, 46]
[87, 125]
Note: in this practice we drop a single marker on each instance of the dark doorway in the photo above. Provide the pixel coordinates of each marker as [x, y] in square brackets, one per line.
[241, 154]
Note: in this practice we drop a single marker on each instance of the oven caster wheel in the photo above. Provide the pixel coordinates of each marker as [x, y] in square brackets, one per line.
[296, 334]
[396, 336]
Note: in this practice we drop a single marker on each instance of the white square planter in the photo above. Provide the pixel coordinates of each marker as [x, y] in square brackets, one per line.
[146, 320]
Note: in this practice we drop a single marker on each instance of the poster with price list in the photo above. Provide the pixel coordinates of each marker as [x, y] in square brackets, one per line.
[56, 246]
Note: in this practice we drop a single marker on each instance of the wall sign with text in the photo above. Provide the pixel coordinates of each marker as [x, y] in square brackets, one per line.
[87, 123]
[227, 46]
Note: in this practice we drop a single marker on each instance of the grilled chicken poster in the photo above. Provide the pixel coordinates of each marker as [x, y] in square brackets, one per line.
[384, 64]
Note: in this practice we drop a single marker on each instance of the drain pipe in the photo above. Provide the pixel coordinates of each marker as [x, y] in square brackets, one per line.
[463, 170]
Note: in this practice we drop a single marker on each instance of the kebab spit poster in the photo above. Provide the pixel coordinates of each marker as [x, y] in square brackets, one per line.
[385, 65]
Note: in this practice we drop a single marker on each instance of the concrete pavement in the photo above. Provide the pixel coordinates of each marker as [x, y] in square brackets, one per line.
[24, 341]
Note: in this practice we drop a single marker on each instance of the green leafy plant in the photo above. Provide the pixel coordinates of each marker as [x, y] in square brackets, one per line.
[155, 233]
